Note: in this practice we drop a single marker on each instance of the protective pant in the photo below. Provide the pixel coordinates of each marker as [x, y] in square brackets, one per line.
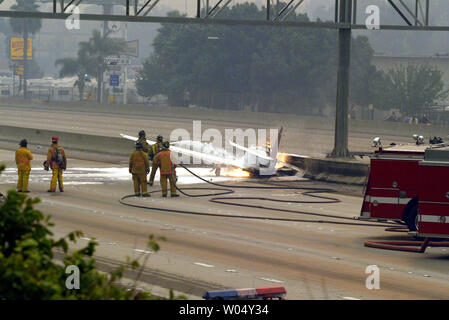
[140, 183]
[22, 182]
[153, 171]
[164, 178]
[56, 178]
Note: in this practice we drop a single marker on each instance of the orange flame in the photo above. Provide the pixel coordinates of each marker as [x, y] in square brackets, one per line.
[234, 172]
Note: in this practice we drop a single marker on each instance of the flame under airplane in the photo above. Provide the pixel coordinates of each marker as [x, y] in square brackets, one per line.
[254, 160]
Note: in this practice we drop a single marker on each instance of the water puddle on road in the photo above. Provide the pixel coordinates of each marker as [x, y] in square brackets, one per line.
[88, 176]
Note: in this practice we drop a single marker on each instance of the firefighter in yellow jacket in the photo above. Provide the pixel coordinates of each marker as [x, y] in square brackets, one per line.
[143, 140]
[154, 150]
[164, 162]
[57, 162]
[139, 167]
[23, 161]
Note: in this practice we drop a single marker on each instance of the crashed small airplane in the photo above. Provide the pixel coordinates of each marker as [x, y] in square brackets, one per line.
[256, 160]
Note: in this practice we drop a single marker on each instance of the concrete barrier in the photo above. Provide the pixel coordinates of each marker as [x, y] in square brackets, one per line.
[70, 141]
[331, 170]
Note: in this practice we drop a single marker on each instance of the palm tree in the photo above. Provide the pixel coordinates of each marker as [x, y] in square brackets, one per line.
[78, 66]
[97, 49]
[25, 26]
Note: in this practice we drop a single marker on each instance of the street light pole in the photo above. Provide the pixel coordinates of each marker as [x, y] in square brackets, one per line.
[344, 59]
[125, 87]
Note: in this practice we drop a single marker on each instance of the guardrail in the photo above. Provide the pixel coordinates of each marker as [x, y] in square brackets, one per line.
[331, 170]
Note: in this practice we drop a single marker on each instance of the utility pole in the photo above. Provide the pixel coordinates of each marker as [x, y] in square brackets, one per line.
[107, 10]
[344, 14]
[125, 86]
[25, 58]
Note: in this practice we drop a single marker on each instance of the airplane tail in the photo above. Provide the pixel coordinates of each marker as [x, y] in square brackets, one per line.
[280, 136]
[274, 153]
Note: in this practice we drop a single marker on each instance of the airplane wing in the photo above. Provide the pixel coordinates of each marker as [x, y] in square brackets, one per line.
[257, 154]
[135, 138]
[199, 155]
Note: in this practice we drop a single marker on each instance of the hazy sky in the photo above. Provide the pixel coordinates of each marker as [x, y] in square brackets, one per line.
[190, 5]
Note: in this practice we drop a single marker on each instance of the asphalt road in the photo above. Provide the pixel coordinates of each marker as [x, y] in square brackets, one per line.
[312, 260]
[297, 140]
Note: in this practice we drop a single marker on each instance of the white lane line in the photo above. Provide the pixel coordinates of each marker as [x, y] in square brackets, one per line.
[272, 280]
[84, 238]
[142, 251]
[203, 265]
[350, 298]
[231, 270]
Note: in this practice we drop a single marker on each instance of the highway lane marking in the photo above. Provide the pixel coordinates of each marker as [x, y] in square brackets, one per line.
[350, 298]
[272, 280]
[143, 251]
[203, 265]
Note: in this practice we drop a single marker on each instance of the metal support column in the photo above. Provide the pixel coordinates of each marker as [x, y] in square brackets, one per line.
[344, 49]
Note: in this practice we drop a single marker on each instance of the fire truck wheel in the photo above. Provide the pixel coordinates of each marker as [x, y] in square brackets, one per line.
[412, 218]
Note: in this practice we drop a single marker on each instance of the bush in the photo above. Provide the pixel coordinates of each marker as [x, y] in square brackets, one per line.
[27, 259]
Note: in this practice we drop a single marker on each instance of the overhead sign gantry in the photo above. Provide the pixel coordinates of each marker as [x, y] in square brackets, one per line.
[415, 18]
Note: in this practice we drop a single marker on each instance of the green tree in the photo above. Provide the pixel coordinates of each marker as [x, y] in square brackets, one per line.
[92, 54]
[27, 253]
[25, 26]
[276, 69]
[412, 89]
[79, 66]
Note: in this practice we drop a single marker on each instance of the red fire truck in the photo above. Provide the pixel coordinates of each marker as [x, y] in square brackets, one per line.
[396, 185]
[433, 194]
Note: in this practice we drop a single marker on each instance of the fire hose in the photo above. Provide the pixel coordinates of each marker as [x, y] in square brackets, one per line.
[407, 246]
[225, 189]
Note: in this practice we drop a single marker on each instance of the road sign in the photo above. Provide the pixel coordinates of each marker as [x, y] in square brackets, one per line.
[114, 80]
[131, 48]
[18, 69]
[17, 47]
[111, 60]
[114, 68]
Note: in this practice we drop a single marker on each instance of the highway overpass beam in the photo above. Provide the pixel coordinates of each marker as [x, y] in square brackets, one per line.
[344, 57]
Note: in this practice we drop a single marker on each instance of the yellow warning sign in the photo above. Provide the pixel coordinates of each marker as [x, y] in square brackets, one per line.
[17, 47]
[19, 70]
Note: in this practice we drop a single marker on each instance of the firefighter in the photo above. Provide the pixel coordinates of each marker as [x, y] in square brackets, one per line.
[155, 149]
[139, 167]
[167, 169]
[143, 140]
[23, 159]
[57, 161]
